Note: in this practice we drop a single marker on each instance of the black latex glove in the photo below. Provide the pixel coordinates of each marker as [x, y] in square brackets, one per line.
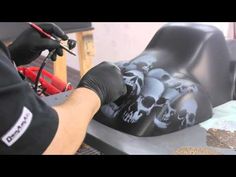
[30, 44]
[106, 80]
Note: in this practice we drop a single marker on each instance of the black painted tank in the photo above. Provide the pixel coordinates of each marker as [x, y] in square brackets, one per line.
[183, 72]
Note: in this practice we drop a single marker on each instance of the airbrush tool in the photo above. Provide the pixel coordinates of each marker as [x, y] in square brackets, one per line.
[71, 44]
[41, 31]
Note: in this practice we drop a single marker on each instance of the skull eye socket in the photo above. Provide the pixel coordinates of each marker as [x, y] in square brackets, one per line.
[165, 77]
[172, 113]
[183, 113]
[148, 101]
[161, 101]
[191, 117]
[140, 81]
[129, 74]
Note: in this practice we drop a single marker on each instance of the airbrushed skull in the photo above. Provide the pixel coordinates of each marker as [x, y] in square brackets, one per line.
[186, 87]
[144, 62]
[110, 110]
[181, 85]
[144, 104]
[163, 119]
[165, 77]
[134, 80]
[159, 74]
[121, 64]
[187, 113]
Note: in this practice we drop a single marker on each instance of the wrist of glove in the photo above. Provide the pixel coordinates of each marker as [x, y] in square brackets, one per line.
[106, 81]
[30, 44]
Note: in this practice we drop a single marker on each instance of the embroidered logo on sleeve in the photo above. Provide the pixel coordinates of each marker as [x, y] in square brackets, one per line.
[19, 128]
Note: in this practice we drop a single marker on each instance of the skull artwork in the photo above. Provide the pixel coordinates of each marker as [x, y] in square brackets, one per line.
[187, 113]
[146, 101]
[129, 66]
[164, 117]
[144, 62]
[134, 80]
[159, 74]
[167, 113]
[164, 77]
[121, 64]
[175, 89]
[110, 110]
[126, 66]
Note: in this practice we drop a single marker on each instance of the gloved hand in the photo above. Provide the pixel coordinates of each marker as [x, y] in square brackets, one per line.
[30, 44]
[106, 80]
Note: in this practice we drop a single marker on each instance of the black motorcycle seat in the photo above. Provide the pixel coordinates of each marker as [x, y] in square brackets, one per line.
[174, 83]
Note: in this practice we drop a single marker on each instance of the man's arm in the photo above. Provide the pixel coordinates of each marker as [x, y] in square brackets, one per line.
[74, 117]
[29, 126]
[100, 85]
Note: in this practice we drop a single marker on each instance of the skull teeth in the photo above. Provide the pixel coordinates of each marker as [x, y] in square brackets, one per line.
[127, 117]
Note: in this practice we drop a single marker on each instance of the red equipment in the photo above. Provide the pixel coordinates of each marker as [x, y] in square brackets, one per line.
[50, 84]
